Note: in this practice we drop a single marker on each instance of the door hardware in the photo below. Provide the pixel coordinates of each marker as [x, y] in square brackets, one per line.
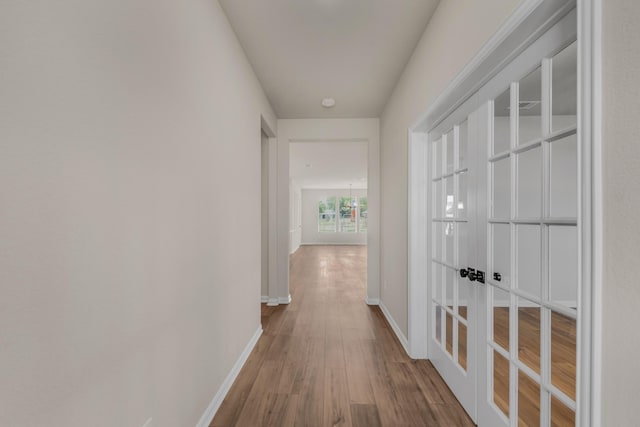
[497, 277]
[471, 275]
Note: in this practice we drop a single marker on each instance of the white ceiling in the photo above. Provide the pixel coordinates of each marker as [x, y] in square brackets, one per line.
[328, 165]
[306, 50]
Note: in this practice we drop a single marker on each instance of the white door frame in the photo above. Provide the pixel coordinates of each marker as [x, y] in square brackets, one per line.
[327, 130]
[531, 19]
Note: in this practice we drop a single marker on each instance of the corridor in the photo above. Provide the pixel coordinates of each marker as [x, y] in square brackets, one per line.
[328, 359]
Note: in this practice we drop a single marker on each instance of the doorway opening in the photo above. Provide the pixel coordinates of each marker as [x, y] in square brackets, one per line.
[328, 195]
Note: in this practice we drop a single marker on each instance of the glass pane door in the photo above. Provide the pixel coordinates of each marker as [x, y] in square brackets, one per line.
[532, 247]
[452, 298]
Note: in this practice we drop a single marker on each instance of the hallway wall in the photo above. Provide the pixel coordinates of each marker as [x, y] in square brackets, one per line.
[455, 33]
[129, 187]
[621, 204]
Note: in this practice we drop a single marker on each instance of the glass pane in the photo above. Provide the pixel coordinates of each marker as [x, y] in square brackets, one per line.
[462, 345]
[437, 282]
[530, 108]
[529, 334]
[347, 215]
[528, 401]
[563, 265]
[364, 214]
[501, 301]
[437, 241]
[463, 243]
[463, 137]
[561, 416]
[528, 258]
[563, 354]
[463, 297]
[327, 215]
[530, 183]
[449, 234]
[462, 195]
[565, 88]
[449, 283]
[449, 201]
[449, 335]
[437, 200]
[501, 383]
[501, 255]
[437, 158]
[502, 123]
[502, 189]
[438, 323]
[449, 155]
[564, 177]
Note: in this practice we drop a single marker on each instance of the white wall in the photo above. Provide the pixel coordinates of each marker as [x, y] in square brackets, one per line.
[621, 157]
[310, 234]
[455, 33]
[130, 128]
[319, 130]
[295, 217]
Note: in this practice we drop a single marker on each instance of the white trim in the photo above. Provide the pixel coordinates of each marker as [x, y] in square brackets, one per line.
[394, 326]
[264, 299]
[372, 301]
[285, 300]
[589, 401]
[331, 244]
[213, 407]
[272, 302]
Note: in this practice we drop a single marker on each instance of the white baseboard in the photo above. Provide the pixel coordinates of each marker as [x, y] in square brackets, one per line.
[396, 329]
[333, 244]
[273, 302]
[285, 300]
[264, 299]
[372, 301]
[213, 407]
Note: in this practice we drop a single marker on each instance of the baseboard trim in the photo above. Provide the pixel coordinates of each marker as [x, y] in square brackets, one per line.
[272, 302]
[372, 301]
[333, 244]
[213, 407]
[264, 299]
[396, 329]
[285, 300]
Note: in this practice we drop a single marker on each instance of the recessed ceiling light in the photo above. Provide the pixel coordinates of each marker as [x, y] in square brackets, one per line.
[328, 103]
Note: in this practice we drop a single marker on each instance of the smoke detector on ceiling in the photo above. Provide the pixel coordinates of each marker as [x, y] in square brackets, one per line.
[328, 103]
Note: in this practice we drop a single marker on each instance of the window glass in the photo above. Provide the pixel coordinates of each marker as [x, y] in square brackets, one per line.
[327, 215]
[347, 211]
[364, 214]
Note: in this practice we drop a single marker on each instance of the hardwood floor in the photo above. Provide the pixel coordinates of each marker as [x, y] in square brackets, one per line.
[328, 359]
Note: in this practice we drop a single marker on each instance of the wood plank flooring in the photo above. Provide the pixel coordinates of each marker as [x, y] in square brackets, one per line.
[328, 359]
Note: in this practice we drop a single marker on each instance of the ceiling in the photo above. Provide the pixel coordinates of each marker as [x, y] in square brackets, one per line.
[305, 50]
[328, 165]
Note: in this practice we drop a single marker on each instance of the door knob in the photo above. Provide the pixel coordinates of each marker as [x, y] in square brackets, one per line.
[471, 275]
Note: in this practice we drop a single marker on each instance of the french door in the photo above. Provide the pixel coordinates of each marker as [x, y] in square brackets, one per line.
[504, 242]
